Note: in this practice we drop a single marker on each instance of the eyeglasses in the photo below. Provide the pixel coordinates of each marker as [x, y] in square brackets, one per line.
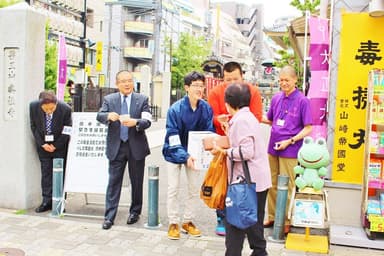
[128, 81]
[198, 85]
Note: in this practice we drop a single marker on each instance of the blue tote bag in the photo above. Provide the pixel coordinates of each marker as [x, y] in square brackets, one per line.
[241, 200]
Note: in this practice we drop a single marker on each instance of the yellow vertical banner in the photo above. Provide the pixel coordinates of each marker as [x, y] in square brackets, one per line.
[101, 80]
[88, 69]
[361, 50]
[99, 56]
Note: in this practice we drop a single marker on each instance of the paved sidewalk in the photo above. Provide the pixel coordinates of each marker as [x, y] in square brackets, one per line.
[79, 232]
[54, 236]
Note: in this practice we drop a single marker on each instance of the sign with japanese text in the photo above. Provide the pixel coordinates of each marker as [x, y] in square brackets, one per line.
[87, 165]
[61, 68]
[11, 73]
[99, 56]
[319, 89]
[361, 50]
[196, 149]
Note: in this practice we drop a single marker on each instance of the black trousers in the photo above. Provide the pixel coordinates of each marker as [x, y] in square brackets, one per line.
[46, 165]
[116, 174]
[234, 237]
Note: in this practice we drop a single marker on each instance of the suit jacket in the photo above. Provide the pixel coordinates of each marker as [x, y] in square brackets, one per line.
[61, 117]
[137, 138]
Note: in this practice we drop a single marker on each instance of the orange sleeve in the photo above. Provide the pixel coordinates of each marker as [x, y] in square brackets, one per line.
[256, 105]
[216, 100]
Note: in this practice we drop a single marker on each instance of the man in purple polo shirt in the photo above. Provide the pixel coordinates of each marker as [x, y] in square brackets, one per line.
[291, 120]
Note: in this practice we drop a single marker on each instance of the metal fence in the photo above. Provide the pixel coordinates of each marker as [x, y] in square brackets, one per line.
[155, 110]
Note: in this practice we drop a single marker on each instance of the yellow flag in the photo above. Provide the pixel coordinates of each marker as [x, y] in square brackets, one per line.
[99, 56]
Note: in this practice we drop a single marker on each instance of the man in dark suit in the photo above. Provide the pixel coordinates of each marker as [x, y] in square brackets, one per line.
[127, 115]
[48, 116]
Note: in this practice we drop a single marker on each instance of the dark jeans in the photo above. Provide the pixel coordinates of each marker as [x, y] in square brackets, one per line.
[220, 213]
[234, 238]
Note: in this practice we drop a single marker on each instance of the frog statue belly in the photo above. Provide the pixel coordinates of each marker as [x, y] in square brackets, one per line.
[313, 157]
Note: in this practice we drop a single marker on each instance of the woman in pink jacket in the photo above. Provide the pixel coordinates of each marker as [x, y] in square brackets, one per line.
[244, 131]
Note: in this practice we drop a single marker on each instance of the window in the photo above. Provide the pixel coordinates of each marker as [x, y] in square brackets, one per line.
[143, 43]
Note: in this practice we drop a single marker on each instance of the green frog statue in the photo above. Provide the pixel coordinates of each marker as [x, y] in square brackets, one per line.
[313, 158]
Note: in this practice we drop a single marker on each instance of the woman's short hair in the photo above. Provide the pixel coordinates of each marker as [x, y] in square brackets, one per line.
[237, 95]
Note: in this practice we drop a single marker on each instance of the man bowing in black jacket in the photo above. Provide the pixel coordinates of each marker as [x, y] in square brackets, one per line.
[48, 117]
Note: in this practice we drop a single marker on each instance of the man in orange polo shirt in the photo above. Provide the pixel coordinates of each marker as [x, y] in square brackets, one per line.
[232, 74]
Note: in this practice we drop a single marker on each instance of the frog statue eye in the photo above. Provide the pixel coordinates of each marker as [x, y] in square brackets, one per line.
[307, 140]
[321, 141]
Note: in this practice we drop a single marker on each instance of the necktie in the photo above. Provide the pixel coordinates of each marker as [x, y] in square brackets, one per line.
[124, 129]
[48, 123]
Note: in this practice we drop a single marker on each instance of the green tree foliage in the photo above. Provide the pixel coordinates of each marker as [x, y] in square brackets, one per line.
[306, 5]
[288, 57]
[4, 3]
[187, 56]
[50, 62]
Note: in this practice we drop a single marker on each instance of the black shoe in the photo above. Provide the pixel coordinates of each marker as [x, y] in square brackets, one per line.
[133, 218]
[107, 224]
[44, 207]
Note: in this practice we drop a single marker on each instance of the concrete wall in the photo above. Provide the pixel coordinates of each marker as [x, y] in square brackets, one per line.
[22, 43]
[344, 205]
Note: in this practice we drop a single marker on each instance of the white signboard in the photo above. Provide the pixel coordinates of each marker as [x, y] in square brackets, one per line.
[87, 166]
[308, 213]
[196, 149]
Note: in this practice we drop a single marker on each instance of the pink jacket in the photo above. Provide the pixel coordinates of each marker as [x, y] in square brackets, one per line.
[243, 131]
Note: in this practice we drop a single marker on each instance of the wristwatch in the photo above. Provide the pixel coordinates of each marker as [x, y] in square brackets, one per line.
[292, 141]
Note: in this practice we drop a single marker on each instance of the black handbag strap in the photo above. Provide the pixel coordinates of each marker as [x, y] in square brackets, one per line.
[245, 167]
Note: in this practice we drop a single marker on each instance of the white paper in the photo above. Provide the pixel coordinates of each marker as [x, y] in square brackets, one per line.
[196, 149]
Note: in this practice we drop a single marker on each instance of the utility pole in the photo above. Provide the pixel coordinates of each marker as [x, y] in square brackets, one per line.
[82, 39]
[156, 48]
[156, 34]
[77, 97]
[109, 45]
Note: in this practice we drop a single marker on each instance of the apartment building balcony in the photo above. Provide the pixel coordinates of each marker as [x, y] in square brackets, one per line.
[140, 53]
[138, 27]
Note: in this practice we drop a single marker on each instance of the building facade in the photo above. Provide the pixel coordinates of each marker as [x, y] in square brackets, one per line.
[81, 22]
[245, 24]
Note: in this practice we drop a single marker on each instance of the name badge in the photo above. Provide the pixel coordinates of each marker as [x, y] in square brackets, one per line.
[280, 122]
[48, 138]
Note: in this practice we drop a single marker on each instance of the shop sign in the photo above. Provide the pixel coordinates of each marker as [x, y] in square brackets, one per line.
[361, 50]
[376, 223]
